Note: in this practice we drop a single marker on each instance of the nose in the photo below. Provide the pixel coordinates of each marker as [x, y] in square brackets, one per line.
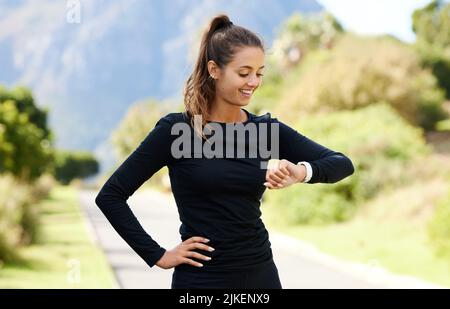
[253, 82]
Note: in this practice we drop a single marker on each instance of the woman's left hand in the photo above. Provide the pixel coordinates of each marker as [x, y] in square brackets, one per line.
[283, 173]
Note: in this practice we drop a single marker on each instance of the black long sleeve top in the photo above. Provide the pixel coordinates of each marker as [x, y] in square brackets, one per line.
[217, 198]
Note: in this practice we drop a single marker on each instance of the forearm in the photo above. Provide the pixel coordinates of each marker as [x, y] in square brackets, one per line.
[326, 165]
[331, 169]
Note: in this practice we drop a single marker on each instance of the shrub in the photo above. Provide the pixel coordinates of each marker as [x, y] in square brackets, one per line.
[74, 164]
[382, 147]
[16, 217]
[360, 71]
[439, 227]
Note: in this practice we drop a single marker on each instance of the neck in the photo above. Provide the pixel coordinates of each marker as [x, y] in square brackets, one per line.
[226, 113]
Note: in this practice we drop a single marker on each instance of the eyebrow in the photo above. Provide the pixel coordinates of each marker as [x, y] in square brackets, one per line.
[248, 67]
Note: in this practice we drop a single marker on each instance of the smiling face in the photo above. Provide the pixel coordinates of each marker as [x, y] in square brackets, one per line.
[237, 81]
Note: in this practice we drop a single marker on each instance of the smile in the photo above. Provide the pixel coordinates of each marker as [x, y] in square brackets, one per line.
[246, 93]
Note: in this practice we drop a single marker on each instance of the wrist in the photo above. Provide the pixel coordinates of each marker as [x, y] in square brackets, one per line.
[302, 173]
[307, 171]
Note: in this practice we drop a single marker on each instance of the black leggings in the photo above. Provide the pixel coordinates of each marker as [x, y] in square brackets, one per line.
[261, 277]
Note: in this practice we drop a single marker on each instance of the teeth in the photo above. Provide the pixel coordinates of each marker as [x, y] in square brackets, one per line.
[247, 92]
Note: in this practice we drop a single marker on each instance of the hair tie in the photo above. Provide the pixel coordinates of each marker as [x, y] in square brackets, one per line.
[228, 23]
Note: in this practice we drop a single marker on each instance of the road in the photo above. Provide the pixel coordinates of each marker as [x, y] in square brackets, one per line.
[300, 265]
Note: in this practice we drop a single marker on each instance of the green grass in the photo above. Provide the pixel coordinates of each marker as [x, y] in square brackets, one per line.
[65, 257]
[400, 248]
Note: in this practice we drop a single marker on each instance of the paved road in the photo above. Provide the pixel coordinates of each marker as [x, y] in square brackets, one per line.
[299, 265]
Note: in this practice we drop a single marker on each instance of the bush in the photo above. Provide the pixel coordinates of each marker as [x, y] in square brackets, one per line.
[383, 149]
[19, 215]
[431, 25]
[439, 227]
[25, 141]
[74, 164]
[18, 224]
[360, 71]
[140, 119]
[42, 186]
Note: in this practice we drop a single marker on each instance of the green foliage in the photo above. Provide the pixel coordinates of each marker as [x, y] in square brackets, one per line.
[360, 71]
[42, 186]
[432, 27]
[140, 119]
[380, 144]
[303, 33]
[25, 141]
[439, 227]
[443, 125]
[134, 127]
[298, 36]
[25, 104]
[18, 220]
[63, 237]
[318, 204]
[74, 164]
[432, 24]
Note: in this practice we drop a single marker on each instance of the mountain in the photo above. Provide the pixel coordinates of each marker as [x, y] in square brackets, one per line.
[89, 72]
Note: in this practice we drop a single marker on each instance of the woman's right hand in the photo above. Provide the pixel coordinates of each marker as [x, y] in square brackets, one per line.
[183, 253]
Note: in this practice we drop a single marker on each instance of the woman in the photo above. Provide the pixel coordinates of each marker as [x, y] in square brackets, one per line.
[224, 241]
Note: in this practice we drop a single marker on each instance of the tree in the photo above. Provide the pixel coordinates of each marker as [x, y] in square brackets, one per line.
[140, 119]
[25, 104]
[25, 140]
[137, 123]
[432, 27]
[360, 71]
[297, 37]
[74, 164]
[432, 24]
[303, 33]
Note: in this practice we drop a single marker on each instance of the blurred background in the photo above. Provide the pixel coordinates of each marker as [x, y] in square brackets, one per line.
[83, 82]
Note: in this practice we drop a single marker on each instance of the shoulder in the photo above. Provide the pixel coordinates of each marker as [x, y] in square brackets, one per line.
[172, 118]
[165, 124]
[270, 118]
[266, 117]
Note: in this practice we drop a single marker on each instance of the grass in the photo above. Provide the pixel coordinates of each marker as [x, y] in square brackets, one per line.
[400, 248]
[65, 257]
[389, 231]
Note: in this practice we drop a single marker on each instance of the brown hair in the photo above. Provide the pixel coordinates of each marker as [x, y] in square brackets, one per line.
[220, 41]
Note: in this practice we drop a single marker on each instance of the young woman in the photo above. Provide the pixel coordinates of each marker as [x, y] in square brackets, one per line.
[224, 241]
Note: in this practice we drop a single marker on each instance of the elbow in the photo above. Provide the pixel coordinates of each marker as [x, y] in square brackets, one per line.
[332, 172]
[346, 169]
[103, 202]
[350, 167]
[107, 197]
[100, 200]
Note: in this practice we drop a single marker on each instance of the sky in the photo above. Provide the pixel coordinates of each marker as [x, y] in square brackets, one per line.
[376, 16]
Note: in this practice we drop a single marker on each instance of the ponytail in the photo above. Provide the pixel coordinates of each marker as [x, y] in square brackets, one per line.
[219, 43]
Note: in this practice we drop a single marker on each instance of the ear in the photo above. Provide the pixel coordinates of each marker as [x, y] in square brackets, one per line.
[213, 69]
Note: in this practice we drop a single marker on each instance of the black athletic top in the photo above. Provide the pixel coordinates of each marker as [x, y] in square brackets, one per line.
[217, 198]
